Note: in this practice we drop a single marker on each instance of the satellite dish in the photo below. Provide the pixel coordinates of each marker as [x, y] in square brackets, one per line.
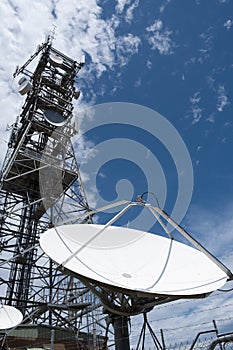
[54, 118]
[55, 60]
[77, 94]
[10, 317]
[22, 80]
[120, 258]
[24, 86]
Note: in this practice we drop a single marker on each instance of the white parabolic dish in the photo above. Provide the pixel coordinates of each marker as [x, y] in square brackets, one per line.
[10, 317]
[132, 260]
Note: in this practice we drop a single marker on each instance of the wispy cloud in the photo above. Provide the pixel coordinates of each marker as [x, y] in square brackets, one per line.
[215, 232]
[121, 4]
[211, 118]
[130, 10]
[164, 5]
[204, 49]
[196, 110]
[222, 99]
[126, 46]
[182, 320]
[207, 42]
[149, 64]
[81, 28]
[127, 7]
[160, 39]
[138, 82]
[228, 24]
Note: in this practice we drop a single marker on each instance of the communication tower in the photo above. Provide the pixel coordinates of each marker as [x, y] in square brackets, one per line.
[40, 184]
[128, 271]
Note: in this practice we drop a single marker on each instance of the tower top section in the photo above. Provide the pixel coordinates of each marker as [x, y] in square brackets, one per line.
[43, 49]
[52, 82]
[49, 89]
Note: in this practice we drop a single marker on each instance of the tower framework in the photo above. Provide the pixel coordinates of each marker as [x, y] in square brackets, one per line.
[40, 185]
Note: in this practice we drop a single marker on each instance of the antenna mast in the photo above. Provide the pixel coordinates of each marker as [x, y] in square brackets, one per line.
[41, 184]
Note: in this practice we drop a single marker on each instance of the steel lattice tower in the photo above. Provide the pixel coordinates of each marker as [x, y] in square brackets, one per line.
[40, 185]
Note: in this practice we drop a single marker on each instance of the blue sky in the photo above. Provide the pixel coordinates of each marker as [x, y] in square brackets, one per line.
[189, 83]
[174, 57]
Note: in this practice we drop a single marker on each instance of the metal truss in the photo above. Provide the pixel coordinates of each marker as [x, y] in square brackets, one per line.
[40, 185]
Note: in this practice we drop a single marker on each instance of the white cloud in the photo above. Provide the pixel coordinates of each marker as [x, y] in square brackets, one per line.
[222, 98]
[149, 64]
[160, 39]
[126, 46]
[196, 110]
[207, 42]
[197, 114]
[204, 51]
[228, 24]
[164, 5]
[183, 319]
[127, 7]
[215, 232]
[138, 82]
[129, 13]
[157, 25]
[79, 28]
[210, 81]
[121, 4]
[211, 118]
[195, 98]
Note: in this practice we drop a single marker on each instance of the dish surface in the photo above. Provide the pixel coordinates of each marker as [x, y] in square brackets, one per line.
[10, 317]
[119, 257]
